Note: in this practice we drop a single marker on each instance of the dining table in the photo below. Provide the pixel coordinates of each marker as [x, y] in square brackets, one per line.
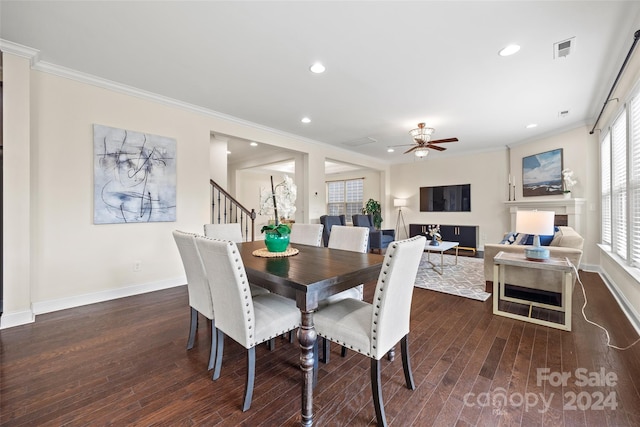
[311, 275]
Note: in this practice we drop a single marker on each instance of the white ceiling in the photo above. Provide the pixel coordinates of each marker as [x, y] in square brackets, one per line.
[390, 64]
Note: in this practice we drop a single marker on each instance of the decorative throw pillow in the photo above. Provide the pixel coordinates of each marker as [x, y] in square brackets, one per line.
[509, 239]
[527, 239]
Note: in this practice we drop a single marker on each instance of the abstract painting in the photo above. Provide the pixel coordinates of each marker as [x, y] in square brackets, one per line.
[134, 177]
[542, 174]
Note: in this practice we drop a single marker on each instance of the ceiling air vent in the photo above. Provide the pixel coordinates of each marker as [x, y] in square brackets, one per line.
[562, 114]
[564, 48]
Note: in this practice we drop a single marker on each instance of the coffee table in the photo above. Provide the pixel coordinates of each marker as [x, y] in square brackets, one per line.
[442, 247]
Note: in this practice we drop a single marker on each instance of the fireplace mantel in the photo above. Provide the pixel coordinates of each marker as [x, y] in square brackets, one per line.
[572, 208]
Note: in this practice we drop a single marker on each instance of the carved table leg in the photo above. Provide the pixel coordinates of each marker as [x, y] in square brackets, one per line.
[307, 337]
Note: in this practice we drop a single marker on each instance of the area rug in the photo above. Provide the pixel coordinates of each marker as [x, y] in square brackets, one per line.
[466, 279]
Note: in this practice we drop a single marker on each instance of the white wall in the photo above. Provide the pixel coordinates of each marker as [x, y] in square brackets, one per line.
[487, 174]
[54, 256]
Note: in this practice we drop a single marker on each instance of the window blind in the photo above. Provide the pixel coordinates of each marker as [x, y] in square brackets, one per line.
[619, 185]
[605, 188]
[634, 180]
[345, 197]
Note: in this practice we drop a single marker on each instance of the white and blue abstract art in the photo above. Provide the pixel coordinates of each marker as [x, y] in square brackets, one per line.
[134, 177]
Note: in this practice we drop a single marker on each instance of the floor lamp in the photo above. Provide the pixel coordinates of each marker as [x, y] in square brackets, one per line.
[400, 203]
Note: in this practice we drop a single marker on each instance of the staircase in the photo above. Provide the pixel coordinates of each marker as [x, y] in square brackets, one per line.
[225, 209]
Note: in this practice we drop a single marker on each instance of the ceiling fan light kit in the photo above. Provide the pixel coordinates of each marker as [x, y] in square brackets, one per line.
[421, 152]
[422, 133]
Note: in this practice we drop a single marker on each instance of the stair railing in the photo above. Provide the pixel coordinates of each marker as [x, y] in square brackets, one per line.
[225, 209]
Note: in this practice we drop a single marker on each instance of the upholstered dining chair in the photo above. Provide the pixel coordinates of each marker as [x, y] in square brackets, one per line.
[373, 329]
[200, 299]
[229, 231]
[346, 238]
[329, 221]
[232, 232]
[246, 319]
[306, 234]
[378, 239]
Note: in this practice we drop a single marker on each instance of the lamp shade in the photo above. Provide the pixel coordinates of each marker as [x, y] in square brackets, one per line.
[535, 222]
[399, 203]
[421, 152]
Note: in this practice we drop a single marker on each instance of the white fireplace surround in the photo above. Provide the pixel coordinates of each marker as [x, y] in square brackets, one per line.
[572, 208]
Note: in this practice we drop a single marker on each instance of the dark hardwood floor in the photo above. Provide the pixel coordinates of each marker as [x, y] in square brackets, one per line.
[124, 362]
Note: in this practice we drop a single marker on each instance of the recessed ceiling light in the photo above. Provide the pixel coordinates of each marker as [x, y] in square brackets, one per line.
[532, 125]
[509, 50]
[253, 144]
[306, 120]
[390, 150]
[317, 68]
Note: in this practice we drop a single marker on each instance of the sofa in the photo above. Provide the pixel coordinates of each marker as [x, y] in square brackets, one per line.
[566, 242]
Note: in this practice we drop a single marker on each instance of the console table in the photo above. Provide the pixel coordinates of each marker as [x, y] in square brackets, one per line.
[503, 260]
[465, 235]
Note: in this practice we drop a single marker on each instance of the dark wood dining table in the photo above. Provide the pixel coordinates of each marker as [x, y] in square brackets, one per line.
[308, 277]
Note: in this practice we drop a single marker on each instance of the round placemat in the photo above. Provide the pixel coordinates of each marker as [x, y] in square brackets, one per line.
[264, 253]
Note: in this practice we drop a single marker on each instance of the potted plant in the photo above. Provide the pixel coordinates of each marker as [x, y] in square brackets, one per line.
[276, 237]
[374, 209]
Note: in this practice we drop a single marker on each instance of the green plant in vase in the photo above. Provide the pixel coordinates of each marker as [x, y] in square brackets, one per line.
[374, 209]
[276, 237]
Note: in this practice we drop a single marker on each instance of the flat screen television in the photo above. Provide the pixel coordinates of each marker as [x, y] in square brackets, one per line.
[446, 198]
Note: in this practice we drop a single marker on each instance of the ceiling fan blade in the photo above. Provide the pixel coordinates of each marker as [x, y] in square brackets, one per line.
[437, 141]
[435, 147]
[411, 149]
[401, 145]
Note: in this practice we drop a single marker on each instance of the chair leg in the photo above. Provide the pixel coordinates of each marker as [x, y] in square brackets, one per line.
[212, 351]
[251, 373]
[219, 351]
[291, 336]
[271, 344]
[376, 389]
[192, 328]
[406, 362]
[343, 351]
[326, 350]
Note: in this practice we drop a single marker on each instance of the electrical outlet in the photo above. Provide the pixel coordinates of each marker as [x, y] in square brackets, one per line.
[137, 266]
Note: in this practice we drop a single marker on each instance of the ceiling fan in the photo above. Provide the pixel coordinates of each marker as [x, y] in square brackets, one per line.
[422, 137]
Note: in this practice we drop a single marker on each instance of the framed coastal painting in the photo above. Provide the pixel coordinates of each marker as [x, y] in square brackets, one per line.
[542, 174]
[134, 176]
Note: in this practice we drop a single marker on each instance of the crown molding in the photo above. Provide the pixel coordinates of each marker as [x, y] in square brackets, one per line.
[33, 55]
[68, 73]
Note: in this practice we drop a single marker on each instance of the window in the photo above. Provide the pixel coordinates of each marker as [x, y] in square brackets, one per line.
[345, 197]
[620, 184]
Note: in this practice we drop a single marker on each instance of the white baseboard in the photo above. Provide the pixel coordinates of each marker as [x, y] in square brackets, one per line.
[9, 320]
[623, 302]
[80, 300]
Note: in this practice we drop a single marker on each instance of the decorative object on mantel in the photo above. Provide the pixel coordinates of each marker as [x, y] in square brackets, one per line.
[567, 182]
[536, 223]
[542, 174]
[434, 232]
[512, 186]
